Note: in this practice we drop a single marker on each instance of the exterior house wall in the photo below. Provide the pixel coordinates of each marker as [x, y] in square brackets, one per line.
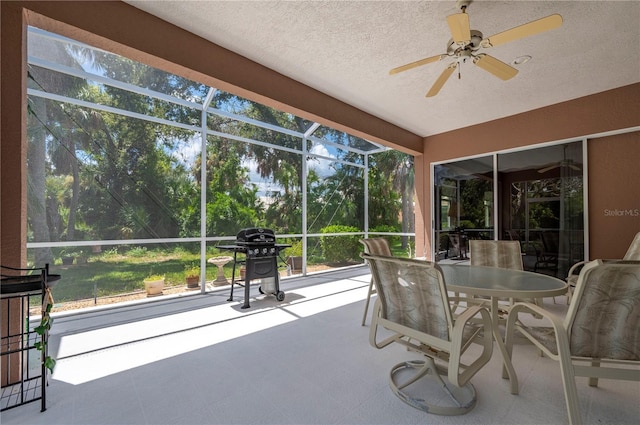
[614, 193]
[613, 170]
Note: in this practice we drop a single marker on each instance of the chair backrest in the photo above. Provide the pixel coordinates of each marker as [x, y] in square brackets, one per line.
[633, 253]
[550, 242]
[603, 320]
[377, 246]
[503, 254]
[412, 293]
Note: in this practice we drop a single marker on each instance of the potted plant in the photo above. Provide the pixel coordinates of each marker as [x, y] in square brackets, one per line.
[67, 257]
[82, 257]
[192, 276]
[294, 258]
[154, 285]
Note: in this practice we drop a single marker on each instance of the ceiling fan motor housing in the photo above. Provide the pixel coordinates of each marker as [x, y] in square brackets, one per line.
[454, 49]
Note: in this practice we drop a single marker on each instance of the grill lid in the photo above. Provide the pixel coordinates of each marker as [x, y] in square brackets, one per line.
[255, 235]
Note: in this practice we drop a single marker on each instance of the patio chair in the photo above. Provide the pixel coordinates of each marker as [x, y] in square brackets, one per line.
[602, 327]
[413, 305]
[548, 257]
[632, 254]
[503, 254]
[457, 243]
[375, 246]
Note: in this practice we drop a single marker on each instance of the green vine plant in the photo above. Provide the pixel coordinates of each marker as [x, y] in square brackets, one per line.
[43, 329]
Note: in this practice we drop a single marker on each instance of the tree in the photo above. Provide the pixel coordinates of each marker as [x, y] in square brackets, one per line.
[130, 176]
[231, 202]
[398, 167]
[41, 120]
[107, 175]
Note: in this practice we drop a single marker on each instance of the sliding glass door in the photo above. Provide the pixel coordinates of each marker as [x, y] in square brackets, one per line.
[539, 194]
[546, 205]
[463, 205]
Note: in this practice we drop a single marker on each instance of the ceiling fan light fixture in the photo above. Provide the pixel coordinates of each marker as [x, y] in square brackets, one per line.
[521, 60]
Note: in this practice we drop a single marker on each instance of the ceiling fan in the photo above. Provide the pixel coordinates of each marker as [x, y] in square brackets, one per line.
[560, 164]
[466, 43]
[564, 163]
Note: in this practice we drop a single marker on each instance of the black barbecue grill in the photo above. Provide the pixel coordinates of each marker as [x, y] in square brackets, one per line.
[261, 261]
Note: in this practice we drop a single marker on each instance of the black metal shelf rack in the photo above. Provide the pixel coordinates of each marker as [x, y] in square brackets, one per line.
[24, 375]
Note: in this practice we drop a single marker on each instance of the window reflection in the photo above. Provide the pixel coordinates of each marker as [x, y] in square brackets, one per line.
[464, 210]
[540, 203]
[546, 205]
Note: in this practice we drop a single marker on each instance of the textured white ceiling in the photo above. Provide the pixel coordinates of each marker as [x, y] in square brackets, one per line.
[346, 49]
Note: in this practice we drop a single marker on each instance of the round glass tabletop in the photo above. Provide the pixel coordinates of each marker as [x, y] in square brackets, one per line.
[480, 280]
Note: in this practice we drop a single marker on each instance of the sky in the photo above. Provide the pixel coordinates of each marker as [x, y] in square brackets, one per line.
[186, 154]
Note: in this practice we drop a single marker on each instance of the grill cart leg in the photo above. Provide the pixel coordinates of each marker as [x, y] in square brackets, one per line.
[247, 281]
[279, 294]
[233, 274]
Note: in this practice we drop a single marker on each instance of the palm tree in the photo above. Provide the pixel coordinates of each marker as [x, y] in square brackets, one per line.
[43, 123]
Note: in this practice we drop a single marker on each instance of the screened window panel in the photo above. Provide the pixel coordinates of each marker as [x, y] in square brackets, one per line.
[335, 196]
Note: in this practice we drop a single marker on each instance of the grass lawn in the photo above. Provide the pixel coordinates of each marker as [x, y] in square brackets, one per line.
[117, 272]
[110, 274]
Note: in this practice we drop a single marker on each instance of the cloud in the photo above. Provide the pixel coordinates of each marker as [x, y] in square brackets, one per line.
[186, 153]
[323, 167]
[265, 185]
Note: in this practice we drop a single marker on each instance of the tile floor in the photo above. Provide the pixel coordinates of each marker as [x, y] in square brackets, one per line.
[203, 360]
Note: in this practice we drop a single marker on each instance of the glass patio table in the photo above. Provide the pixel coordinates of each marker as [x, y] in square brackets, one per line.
[496, 283]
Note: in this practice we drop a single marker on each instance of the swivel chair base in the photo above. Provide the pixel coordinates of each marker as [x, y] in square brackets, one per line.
[448, 398]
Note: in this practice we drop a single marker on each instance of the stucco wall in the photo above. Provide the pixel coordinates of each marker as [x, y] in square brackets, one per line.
[613, 161]
[614, 194]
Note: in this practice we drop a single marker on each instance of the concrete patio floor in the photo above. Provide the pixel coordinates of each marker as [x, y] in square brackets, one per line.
[199, 359]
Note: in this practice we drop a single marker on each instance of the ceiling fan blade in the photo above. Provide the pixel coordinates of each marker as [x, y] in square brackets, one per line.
[495, 66]
[525, 30]
[549, 168]
[460, 28]
[441, 80]
[416, 64]
[575, 167]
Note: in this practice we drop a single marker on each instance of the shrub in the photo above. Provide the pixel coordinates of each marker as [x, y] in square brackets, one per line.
[393, 240]
[340, 249]
[295, 250]
[137, 251]
[467, 224]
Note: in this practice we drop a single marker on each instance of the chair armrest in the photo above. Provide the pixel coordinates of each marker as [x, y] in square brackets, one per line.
[563, 355]
[533, 308]
[465, 317]
[556, 324]
[531, 248]
[573, 268]
[457, 344]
